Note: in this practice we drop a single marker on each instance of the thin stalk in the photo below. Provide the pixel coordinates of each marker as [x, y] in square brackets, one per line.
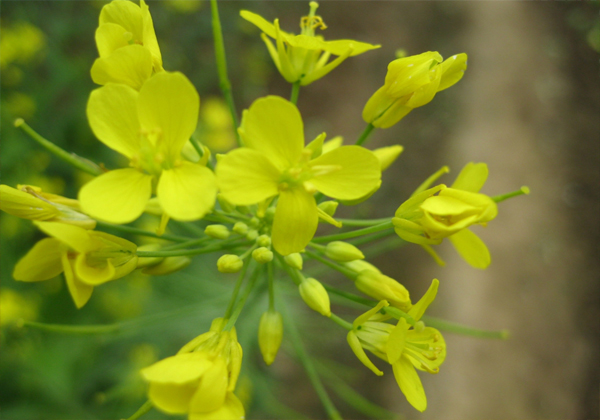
[73, 329]
[197, 251]
[520, 191]
[309, 367]
[236, 291]
[142, 410]
[141, 232]
[386, 245]
[196, 145]
[360, 222]
[350, 296]
[355, 233]
[344, 324]
[456, 328]
[71, 158]
[365, 134]
[192, 242]
[238, 308]
[271, 286]
[295, 92]
[351, 274]
[224, 83]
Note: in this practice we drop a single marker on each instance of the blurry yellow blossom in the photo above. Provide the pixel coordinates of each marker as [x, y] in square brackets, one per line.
[215, 128]
[15, 306]
[19, 43]
[184, 6]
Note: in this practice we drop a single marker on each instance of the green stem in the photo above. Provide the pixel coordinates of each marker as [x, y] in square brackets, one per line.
[182, 245]
[295, 92]
[136, 231]
[309, 367]
[456, 328]
[142, 410]
[238, 308]
[271, 286]
[224, 83]
[351, 274]
[365, 134]
[205, 250]
[71, 158]
[502, 197]
[360, 222]
[200, 152]
[72, 329]
[355, 233]
[386, 245]
[236, 291]
[350, 296]
[341, 322]
[230, 215]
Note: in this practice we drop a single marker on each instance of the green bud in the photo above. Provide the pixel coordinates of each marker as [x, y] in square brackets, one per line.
[343, 252]
[217, 231]
[262, 255]
[263, 240]
[270, 214]
[226, 206]
[382, 287]
[361, 265]
[329, 207]
[255, 222]
[240, 228]
[315, 296]
[168, 265]
[244, 209]
[252, 234]
[229, 263]
[270, 333]
[294, 260]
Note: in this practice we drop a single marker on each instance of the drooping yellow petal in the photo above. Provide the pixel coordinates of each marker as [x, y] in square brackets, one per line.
[245, 176]
[118, 196]
[168, 107]
[74, 237]
[109, 37]
[471, 178]
[80, 292]
[42, 262]
[131, 65]
[419, 308]
[340, 46]
[471, 248]
[358, 174]
[93, 275]
[171, 398]
[112, 114]
[453, 69]
[180, 369]
[357, 349]
[232, 409]
[257, 20]
[212, 391]
[296, 220]
[124, 13]
[187, 192]
[21, 204]
[410, 384]
[274, 126]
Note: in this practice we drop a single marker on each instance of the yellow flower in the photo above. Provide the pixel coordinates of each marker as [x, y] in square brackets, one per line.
[403, 346]
[127, 45]
[440, 212]
[412, 82]
[150, 128]
[305, 57]
[88, 259]
[29, 202]
[200, 378]
[274, 162]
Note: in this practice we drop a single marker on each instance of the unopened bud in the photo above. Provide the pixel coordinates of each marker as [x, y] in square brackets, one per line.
[229, 263]
[315, 296]
[255, 222]
[382, 287]
[294, 260]
[270, 333]
[387, 155]
[263, 240]
[270, 214]
[361, 265]
[168, 265]
[262, 255]
[240, 228]
[343, 252]
[252, 234]
[329, 207]
[217, 231]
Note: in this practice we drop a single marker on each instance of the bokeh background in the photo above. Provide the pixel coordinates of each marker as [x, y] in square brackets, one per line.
[528, 105]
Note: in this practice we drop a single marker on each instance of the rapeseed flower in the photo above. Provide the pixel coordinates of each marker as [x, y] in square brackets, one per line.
[88, 259]
[304, 58]
[275, 162]
[150, 128]
[127, 45]
[412, 82]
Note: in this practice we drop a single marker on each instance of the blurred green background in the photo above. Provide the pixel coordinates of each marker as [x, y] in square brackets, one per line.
[528, 106]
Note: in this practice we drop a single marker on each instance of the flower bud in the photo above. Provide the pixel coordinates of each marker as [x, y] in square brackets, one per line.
[382, 287]
[270, 333]
[229, 263]
[270, 214]
[343, 252]
[263, 240]
[294, 260]
[167, 266]
[387, 155]
[361, 265]
[255, 222]
[262, 255]
[217, 231]
[329, 207]
[226, 206]
[315, 296]
[252, 234]
[240, 228]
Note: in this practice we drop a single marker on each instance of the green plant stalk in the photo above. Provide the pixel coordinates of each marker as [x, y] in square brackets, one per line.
[351, 274]
[238, 308]
[72, 329]
[224, 83]
[344, 324]
[391, 242]
[360, 222]
[355, 233]
[141, 232]
[142, 410]
[271, 286]
[197, 251]
[365, 134]
[71, 158]
[200, 151]
[350, 296]
[456, 328]
[191, 242]
[295, 92]
[236, 291]
[502, 197]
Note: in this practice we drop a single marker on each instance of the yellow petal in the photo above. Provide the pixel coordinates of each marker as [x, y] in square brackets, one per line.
[130, 65]
[419, 308]
[42, 262]
[387, 155]
[359, 173]
[405, 75]
[471, 248]
[357, 349]
[110, 37]
[410, 384]
[424, 94]
[212, 391]
[74, 237]
[340, 46]
[118, 196]
[377, 104]
[396, 342]
[187, 192]
[245, 176]
[80, 292]
[471, 178]
[180, 369]
[264, 25]
[93, 275]
[274, 126]
[393, 114]
[149, 36]
[124, 13]
[172, 398]
[453, 69]
[232, 409]
[168, 106]
[295, 222]
[112, 114]
[21, 204]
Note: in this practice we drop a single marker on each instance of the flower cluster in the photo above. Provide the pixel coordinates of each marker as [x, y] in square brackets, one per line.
[260, 205]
